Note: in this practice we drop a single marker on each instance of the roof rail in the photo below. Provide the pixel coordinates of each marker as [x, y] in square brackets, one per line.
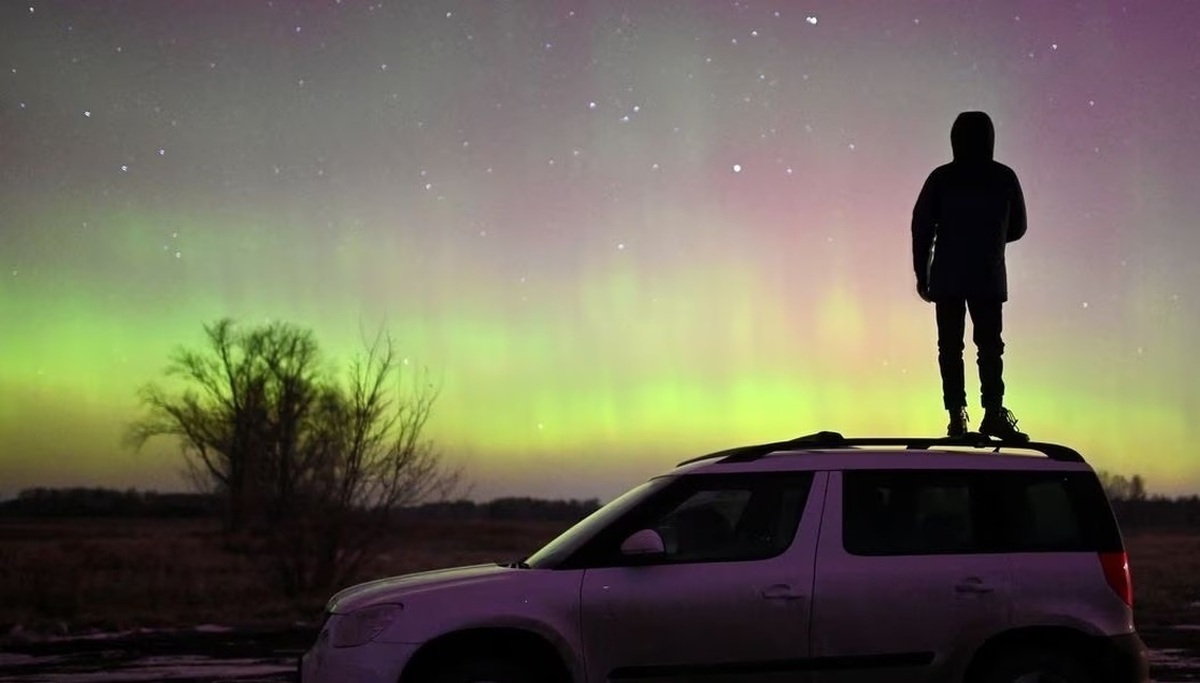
[828, 439]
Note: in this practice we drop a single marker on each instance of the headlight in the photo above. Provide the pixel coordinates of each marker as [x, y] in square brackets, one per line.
[361, 626]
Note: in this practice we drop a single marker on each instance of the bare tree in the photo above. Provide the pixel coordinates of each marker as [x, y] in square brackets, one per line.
[315, 465]
[363, 457]
[222, 419]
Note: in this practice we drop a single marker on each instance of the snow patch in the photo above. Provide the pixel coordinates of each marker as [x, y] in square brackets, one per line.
[1174, 658]
[168, 669]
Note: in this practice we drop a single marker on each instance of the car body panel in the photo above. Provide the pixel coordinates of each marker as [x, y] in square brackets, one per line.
[1067, 589]
[745, 618]
[388, 589]
[373, 662]
[900, 617]
[541, 601]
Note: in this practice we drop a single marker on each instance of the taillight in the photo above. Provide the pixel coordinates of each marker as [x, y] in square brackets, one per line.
[1116, 572]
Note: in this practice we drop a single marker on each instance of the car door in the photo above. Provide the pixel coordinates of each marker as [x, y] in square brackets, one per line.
[905, 583]
[728, 600]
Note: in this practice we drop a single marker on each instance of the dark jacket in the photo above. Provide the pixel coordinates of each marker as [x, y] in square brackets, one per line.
[966, 212]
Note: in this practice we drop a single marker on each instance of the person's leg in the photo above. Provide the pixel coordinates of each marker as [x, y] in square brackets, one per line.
[987, 324]
[951, 322]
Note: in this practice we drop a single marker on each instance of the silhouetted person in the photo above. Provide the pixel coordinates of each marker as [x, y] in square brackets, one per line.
[968, 210]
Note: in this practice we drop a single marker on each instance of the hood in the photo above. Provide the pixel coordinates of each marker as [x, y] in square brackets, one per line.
[396, 587]
[972, 137]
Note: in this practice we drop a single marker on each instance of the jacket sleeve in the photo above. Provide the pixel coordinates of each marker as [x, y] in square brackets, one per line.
[924, 227]
[1016, 212]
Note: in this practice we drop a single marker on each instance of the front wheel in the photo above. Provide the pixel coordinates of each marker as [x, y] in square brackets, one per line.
[1036, 666]
[486, 670]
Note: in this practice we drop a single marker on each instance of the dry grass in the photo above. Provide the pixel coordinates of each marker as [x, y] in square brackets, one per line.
[121, 573]
[1166, 577]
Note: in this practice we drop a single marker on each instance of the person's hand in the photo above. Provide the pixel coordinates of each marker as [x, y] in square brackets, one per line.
[923, 291]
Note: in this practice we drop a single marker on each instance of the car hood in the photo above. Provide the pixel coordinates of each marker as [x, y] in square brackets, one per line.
[394, 588]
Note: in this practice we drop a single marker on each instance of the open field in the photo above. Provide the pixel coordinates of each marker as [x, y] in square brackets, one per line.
[116, 574]
[158, 580]
[1166, 577]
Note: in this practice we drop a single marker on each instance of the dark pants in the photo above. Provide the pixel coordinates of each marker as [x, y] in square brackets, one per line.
[986, 324]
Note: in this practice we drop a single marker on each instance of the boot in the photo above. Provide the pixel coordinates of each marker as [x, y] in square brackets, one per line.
[1000, 423]
[958, 423]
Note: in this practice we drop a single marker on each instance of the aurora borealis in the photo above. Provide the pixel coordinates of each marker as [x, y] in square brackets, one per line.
[620, 233]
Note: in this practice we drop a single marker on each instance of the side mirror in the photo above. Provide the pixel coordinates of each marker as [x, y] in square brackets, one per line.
[643, 543]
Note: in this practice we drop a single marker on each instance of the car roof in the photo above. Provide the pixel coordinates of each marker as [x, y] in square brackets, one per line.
[883, 459]
[832, 451]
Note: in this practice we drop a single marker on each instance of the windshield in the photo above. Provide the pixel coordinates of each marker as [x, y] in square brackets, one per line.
[572, 539]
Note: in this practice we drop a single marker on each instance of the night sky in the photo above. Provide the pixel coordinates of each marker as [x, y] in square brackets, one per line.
[620, 233]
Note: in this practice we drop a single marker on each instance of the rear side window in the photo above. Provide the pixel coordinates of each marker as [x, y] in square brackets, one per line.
[1053, 512]
[924, 512]
[1044, 517]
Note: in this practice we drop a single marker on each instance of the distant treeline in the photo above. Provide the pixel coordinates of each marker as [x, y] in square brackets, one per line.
[101, 502]
[1158, 513]
[1133, 513]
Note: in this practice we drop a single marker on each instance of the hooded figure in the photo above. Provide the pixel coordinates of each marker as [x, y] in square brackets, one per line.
[968, 210]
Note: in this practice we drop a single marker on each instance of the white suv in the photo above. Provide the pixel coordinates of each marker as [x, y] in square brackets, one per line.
[819, 559]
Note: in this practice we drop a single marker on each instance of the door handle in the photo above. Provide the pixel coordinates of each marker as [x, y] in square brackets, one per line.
[972, 585]
[781, 591]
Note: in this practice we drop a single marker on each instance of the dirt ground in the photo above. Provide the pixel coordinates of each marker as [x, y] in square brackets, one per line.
[204, 656]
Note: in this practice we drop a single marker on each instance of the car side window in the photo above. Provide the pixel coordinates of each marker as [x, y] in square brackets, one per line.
[1043, 513]
[923, 512]
[908, 513]
[724, 518]
[702, 526]
[1053, 518]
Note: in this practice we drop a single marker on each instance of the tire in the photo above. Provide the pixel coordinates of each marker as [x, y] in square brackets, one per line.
[1036, 666]
[486, 670]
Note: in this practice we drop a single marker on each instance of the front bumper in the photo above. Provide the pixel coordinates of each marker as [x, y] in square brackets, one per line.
[372, 662]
